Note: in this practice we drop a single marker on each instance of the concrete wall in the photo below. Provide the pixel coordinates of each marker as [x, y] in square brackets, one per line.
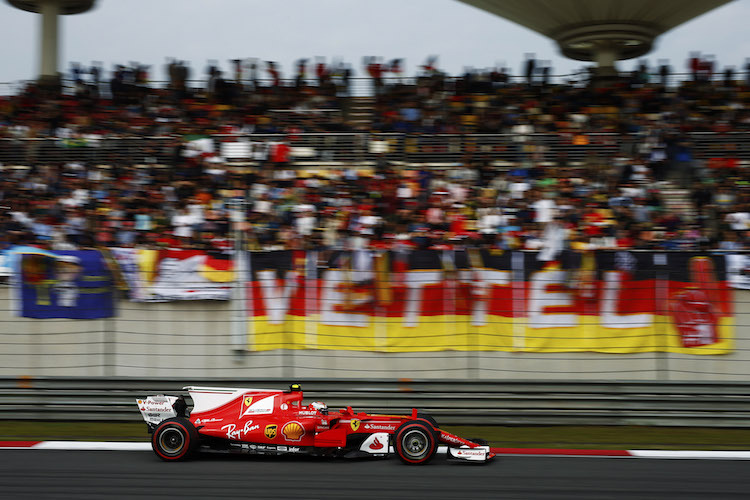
[195, 339]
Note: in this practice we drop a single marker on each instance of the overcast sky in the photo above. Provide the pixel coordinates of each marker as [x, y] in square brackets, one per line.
[148, 31]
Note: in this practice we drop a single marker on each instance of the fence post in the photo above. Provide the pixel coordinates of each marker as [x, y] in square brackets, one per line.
[108, 333]
[239, 300]
[475, 261]
[519, 309]
[661, 284]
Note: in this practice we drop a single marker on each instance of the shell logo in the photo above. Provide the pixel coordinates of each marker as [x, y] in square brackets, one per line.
[293, 431]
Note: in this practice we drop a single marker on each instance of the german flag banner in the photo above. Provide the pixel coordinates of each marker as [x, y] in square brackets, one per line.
[488, 300]
[165, 274]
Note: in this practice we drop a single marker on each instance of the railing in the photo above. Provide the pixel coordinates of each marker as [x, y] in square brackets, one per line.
[450, 402]
[363, 86]
[360, 149]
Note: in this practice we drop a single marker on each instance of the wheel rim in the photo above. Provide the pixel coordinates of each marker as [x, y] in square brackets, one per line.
[415, 444]
[172, 441]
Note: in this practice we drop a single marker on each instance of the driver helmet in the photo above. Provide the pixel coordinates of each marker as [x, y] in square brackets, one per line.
[319, 406]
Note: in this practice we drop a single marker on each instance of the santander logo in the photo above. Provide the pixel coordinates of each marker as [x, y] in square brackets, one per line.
[376, 445]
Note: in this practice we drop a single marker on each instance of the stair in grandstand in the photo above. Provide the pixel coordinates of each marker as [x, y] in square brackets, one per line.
[360, 112]
[676, 199]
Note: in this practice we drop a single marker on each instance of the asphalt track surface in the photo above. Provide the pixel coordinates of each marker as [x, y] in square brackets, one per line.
[41, 474]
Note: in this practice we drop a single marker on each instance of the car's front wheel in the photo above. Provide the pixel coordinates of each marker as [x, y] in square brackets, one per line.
[174, 439]
[415, 442]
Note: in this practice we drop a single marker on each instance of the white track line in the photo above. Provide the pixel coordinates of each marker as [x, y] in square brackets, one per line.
[92, 445]
[692, 454]
[141, 446]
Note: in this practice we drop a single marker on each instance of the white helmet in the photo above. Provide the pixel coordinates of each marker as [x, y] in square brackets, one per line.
[320, 406]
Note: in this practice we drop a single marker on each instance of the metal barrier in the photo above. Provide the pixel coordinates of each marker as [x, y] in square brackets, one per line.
[363, 86]
[450, 402]
[360, 149]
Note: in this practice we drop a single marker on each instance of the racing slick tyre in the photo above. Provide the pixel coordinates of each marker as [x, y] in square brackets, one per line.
[416, 442]
[174, 439]
[424, 416]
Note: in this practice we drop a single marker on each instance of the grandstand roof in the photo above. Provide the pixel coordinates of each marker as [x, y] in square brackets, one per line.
[582, 27]
[65, 6]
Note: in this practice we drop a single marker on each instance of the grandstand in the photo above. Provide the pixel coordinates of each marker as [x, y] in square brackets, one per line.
[659, 144]
[425, 226]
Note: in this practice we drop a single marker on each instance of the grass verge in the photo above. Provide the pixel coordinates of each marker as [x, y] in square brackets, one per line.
[577, 437]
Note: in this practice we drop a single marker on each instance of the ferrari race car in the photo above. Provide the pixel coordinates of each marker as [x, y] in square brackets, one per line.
[275, 422]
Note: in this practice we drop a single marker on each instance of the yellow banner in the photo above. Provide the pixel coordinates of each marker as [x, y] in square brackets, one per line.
[498, 333]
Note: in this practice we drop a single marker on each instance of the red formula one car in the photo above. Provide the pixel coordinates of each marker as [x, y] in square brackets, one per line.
[272, 422]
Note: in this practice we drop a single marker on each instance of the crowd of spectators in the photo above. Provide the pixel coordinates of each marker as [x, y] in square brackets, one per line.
[189, 202]
[491, 102]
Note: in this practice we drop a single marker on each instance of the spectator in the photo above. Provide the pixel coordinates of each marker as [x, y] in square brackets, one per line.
[66, 204]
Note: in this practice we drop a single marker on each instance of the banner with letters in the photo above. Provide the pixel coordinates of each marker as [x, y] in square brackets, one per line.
[738, 270]
[487, 300]
[75, 284]
[163, 275]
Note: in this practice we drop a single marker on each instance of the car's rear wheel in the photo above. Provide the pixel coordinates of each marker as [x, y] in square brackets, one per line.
[415, 442]
[174, 439]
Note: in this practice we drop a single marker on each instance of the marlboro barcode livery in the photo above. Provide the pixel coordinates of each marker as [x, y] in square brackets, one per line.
[275, 422]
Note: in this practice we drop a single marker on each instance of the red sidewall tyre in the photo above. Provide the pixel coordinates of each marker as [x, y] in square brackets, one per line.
[427, 418]
[415, 442]
[174, 439]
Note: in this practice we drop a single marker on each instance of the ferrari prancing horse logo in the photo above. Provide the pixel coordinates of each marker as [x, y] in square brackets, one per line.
[355, 424]
[246, 402]
[270, 431]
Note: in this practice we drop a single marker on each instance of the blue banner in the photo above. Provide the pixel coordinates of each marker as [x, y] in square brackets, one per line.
[75, 284]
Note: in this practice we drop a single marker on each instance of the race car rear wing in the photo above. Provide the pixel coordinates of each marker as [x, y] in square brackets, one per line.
[155, 409]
